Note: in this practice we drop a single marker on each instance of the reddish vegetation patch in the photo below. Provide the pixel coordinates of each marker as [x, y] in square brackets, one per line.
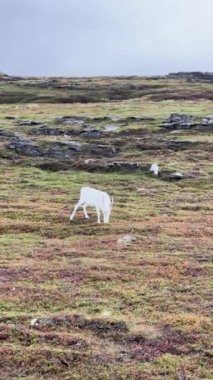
[67, 275]
[9, 275]
[39, 362]
[195, 271]
[63, 340]
[98, 326]
[183, 96]
[142, 349]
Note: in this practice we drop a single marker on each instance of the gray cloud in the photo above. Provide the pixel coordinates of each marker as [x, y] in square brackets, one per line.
[105, 37]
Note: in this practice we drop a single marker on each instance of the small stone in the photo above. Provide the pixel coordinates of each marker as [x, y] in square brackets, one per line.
[127, 239]
[111, 128]
[89, 161]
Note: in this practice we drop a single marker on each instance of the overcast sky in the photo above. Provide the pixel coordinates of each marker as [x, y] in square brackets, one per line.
[105, 37]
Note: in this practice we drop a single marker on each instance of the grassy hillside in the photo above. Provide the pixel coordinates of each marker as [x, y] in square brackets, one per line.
[105, 310]
[104, 89]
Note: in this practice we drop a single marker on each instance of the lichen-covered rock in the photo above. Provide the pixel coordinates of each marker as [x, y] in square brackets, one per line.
[183, 121]
[127, 239]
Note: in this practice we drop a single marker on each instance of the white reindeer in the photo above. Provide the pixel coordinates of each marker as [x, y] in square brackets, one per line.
[95, 198]
[154, 168]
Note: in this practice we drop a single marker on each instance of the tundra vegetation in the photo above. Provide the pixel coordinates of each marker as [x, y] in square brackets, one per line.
[77, 300]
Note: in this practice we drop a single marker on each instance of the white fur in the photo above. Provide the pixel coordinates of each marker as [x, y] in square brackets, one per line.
[154, 168]
[34, 322]
[95, 198]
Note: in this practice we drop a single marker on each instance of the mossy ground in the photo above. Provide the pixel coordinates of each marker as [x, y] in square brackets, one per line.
[159, 286]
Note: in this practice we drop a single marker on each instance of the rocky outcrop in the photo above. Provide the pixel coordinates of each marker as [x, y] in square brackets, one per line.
[6, 134]
[59, 150]
[84, 131]
[93, 165]
[25, 147]
[182, 121]
[180, 118]
[175, 145]
[100, 327]
[80, 120]
[195, 76]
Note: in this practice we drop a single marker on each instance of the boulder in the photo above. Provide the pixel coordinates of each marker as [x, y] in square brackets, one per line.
[183, 121]
[208, 119]
[179, 118]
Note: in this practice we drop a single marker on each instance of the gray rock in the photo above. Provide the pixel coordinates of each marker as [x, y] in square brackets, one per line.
[183, 121]
[42, 322]
[4, 133]
[90, 133]
[111, 128]
[80, 120]
[60, 150]
[175, 176]
[126, 240]
[208, 120]
[25, 147]
[179, 118]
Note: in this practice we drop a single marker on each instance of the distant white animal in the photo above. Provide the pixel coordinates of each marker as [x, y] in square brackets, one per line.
[95, 198]
[34, 322]
[154, 168]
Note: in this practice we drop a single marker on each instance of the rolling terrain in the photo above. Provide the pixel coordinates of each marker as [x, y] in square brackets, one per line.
[106, 308]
